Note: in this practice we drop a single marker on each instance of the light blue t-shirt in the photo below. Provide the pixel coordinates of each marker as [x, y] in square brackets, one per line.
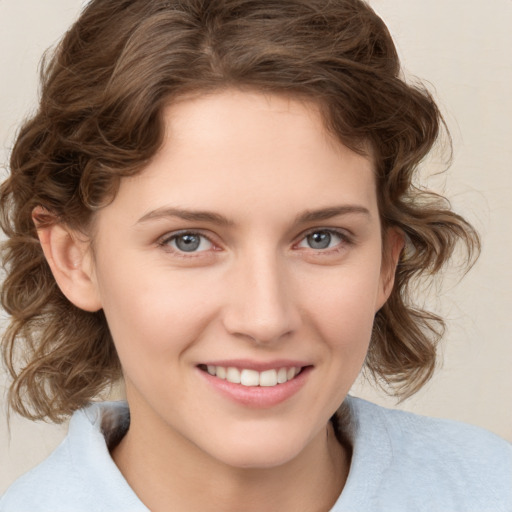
[401, 462]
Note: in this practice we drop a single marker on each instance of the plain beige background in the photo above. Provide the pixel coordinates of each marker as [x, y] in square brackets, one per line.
[463, 48]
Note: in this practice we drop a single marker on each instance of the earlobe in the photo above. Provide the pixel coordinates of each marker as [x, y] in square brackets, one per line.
[68, 256]
[395, 241]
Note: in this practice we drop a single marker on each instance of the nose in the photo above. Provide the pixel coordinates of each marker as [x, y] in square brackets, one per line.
[262, 303]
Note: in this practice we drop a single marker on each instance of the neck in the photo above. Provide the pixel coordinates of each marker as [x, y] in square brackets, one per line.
[172, 474]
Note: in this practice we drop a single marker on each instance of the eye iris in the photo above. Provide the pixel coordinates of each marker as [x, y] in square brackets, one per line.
[188, 243]
[319, 240]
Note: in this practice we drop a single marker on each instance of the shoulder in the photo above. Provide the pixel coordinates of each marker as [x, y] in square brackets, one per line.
[445, 443]
[451, 438]
[54, 484]
[40, 485]
[79, 475]
[428, 462]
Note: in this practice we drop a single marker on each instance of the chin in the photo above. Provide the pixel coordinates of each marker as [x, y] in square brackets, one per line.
[261, 450]
[259, 459]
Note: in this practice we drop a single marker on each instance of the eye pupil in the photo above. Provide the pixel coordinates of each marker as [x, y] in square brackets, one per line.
[188, 243]
[319, 240]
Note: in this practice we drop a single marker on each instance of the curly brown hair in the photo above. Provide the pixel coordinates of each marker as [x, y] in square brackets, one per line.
[99, 119]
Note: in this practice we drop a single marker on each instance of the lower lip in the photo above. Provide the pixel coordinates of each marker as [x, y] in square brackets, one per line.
[258, 396]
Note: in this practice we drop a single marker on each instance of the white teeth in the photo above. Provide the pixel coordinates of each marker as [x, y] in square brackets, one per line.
[268, 378]
[282, 376]
[252, 378]
[233, 375]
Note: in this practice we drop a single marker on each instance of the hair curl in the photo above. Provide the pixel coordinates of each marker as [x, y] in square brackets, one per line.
[99, 119]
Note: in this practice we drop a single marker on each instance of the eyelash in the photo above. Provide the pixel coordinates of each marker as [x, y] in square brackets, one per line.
[345, 238]
[166, 240]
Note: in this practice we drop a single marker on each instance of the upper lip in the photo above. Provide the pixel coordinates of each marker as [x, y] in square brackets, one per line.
[259, 366]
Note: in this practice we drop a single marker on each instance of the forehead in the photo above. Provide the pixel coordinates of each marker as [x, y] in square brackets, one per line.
[244, 152]
[242, 116]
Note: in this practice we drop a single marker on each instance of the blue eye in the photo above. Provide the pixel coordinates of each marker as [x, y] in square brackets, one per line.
[188, 242]
[322, 239]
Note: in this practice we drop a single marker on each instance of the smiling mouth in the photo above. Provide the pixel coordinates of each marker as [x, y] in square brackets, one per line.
[253, 378]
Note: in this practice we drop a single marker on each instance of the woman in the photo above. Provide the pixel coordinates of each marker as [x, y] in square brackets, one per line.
[215, 202]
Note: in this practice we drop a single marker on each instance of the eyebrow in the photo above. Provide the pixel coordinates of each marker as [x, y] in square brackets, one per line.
[328, 213]
[216, 218]
[191, 215]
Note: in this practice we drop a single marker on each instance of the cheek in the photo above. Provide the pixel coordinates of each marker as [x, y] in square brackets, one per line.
[344, 305]
[154, 311]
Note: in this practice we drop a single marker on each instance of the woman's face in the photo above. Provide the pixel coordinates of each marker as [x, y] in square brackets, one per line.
[248, 249]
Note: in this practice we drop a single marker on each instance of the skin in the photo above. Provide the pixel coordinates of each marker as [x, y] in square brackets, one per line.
[255, 289]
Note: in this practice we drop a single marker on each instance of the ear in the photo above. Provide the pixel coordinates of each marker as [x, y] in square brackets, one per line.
[69, 257]
[394, 241]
